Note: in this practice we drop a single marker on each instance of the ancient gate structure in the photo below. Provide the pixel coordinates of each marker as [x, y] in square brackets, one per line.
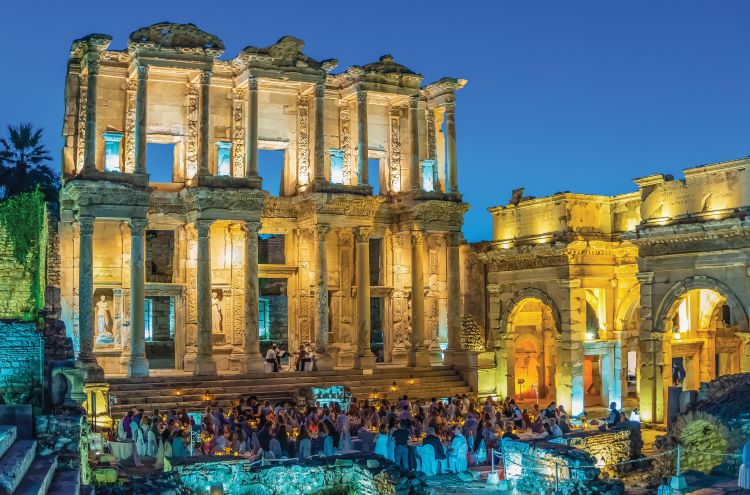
[183, 260]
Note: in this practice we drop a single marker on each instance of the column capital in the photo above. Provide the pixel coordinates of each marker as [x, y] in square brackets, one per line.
[321, 231]
[93, 65]
[203, 227]
[205, 77]
[251, 228]
[142, 71]
[362, 234]
[86, 225]
[455, 238]
[252, 84]
[413, 102]
[645, 277]
[450, 108]
[417, 237]
[137, 226]
[320, 89]
[361, 96]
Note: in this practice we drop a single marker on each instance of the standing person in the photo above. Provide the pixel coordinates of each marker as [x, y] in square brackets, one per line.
[307, 364]
[401, 444]
[744, 479]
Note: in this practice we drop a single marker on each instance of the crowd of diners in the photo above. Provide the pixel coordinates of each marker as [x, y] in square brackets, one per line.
[259, 430]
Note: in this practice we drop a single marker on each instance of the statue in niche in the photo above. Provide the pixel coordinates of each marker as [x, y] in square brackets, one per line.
[103, 318]
[216, 317]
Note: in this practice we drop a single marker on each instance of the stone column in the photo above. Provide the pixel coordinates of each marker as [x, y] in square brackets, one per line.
[419, 355]
[364, 359]
[86, 357]
[450, 145]
[203, 144]
[141, 102]
[454, 292]
[251, 146]
[569, 370]
[319, 163]
[414, 172]
[137, 362]
[321, 296]
[252, 359]
[204, 361]
[89, 157]
[362, 150]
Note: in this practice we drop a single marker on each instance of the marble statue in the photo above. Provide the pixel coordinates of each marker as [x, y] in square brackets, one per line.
[216, 317]
[103, 333]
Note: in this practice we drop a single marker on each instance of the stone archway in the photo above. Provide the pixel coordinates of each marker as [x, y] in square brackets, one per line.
[529, 331]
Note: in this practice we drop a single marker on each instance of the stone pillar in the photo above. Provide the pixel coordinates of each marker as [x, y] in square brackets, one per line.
[450, 145]
[362, 150]
[364, 359]
[251, 151]
[652, 391]
[141, 102]
[86, 357]
[89, 157]
[419, 355]
[319, 163]
[454, 292]
[252, 359]
[204, 361]
[203, 144]
[569, 370]
[321, 297]
[414, 172]
[137, 362]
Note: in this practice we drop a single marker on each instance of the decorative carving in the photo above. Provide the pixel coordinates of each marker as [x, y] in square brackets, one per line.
[203, 227]
[287, 52]
[86, 225]
[191, 135]
[204, 77]
[137, 226]
[395, 145]
[362, 234]
[131, 90]
[252, 84]
[321, 232]
[239, 97]
[303, 140]
[431, 145]
[93, 65]
[81, 144]
[346, 139]
[175, 38]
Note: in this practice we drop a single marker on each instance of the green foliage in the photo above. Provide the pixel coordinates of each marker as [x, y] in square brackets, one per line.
[23, 163]
[23, 220]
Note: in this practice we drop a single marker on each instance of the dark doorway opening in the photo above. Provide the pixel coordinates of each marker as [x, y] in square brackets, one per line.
[159, 322]
[376, 328]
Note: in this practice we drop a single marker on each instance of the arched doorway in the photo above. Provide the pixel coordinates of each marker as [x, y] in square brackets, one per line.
[529, 329]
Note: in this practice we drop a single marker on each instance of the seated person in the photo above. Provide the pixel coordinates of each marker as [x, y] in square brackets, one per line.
[432, 439]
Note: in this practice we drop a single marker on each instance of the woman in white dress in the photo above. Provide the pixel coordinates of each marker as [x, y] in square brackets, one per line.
[744, 480]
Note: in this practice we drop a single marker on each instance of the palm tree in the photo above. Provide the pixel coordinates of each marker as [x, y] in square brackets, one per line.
[23, 163]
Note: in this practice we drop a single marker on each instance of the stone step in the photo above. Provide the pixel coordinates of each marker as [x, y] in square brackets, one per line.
[8, 435]
[14, 464]
[66, 483]
[38, 478]
[237, 389]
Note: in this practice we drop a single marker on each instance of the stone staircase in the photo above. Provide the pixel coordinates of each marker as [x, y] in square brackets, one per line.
[23, 472]
[190, 392]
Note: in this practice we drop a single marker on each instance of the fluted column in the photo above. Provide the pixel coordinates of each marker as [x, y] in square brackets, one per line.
[141, 103]
[450, 145]
[252, 360]
[364, 358]
[454, 292]
[251, 140]
[203, 145]
[137, 362]
[414, 172]
[86, 357]
[89, 157]
[320, 157]
[204, 361]
[419, 355]
[321, 295]
[362, 151]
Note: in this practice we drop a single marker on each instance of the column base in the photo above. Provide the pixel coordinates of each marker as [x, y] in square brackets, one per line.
[250, 364]
[204, 365]
[100, 415]
[138, 366]
[421, 358]
[324, 362]
[92, 372]
[364, 361]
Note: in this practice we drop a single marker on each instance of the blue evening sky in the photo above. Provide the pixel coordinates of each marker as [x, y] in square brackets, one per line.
[577, 95]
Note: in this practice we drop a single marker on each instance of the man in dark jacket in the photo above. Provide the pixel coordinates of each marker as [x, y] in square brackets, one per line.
[432, 439]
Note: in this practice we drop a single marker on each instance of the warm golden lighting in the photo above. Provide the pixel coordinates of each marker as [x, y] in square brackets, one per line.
[411, 379]
[393, 387]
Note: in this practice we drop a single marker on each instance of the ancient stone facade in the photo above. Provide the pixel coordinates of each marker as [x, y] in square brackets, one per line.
[169, 87]
[592, 299]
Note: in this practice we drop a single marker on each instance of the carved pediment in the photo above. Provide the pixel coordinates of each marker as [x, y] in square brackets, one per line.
[440, 212]
[287, 52]
[92, 42]
[176, 38]
[197, 199]
[339, 204]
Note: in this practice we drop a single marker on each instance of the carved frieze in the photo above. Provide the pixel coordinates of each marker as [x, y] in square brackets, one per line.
[346, 139]
[131, 89]
[239, 104]
[303, 140]
[395, 150]
[200, 199]
[191, 134]
[81, 142]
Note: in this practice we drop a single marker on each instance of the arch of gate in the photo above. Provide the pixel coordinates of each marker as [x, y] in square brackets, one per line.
[527, 355]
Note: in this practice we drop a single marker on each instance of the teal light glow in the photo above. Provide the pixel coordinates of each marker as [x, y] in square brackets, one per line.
[337, 166]
[428, 175]
[224, 163]
[112, 151]
[264, 318]
[335, 393]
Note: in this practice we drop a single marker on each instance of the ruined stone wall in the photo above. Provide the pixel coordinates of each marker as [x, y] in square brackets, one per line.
[473, 283]
[610, 448]
[21, 356]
